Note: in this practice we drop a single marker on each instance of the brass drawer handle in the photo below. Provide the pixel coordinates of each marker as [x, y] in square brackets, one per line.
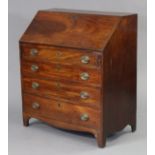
[34, 68]
[84, 76]
[35, 105]
[84, 117]
[33, 52]
[84, 95]
[35, 85]
[85, 59]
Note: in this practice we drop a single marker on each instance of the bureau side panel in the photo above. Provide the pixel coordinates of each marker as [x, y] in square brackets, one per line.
[120, 76]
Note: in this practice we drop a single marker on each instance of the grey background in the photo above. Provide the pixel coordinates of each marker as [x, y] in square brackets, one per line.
[39, 138]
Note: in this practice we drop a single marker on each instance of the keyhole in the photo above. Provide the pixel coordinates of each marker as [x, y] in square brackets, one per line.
[58, 54]
[74, 18]
[58, 67]
[58, 86]
[59, 105]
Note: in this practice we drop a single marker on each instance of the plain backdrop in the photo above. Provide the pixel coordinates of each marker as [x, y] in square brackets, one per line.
[42, 139]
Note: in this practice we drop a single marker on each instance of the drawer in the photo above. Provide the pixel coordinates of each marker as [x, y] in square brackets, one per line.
[88, 76]
[63, 90]
[61, 111]
[61, 55]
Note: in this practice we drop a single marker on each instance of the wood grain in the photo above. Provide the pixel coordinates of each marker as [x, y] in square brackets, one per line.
[58, 123]
[65, 91]
[120, 76]
[71, 73]
[64, 56]
[71, 30]
[61, 111]
[62, 38]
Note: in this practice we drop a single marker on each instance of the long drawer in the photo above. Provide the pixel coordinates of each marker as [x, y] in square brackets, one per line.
[88, 76]
[61, 55]
[61, 111]
[69, 91]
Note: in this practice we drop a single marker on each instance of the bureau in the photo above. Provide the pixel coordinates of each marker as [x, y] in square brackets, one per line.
[78, 71]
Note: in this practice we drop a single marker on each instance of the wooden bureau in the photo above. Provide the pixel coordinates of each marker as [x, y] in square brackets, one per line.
[78, 71]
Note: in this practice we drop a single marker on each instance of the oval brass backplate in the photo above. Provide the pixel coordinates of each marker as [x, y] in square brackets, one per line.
[84, 95]
[33, 52]
[35, 105]
[85, 59]
[84, 76]
[84, 117]
[35, 85]
[34, 68]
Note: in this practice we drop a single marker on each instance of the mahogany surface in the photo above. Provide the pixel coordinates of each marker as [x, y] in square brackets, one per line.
[62, 39]
[66, 91]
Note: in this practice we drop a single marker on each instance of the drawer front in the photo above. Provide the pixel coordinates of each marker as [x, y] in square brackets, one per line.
[86, 76]
[72, 92]
[61, 111]
[61, 55]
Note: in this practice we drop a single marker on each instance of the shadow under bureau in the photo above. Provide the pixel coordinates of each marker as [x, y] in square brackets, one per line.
[78, 71]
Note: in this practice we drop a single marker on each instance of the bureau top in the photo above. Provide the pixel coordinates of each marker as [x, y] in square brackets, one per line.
[73, 29]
